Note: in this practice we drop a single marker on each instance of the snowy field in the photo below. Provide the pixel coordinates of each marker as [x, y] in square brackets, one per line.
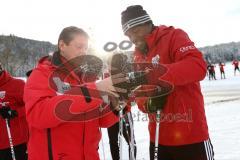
[222, 105]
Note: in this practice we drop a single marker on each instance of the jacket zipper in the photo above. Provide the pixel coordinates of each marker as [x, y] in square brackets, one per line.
[49, 139]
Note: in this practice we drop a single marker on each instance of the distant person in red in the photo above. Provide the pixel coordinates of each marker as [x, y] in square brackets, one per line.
[213, 75]
[236, 66]
[209, 71]
[222, 72]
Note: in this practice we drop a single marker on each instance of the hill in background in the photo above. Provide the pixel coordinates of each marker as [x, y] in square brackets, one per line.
[18, 55]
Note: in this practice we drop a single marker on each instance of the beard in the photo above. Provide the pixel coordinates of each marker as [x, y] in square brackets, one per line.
[142, 47]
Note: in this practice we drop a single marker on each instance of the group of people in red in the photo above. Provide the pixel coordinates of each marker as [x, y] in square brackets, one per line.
[58, 115]
[211, 69]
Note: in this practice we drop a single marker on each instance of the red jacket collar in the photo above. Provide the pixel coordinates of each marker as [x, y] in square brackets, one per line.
[59, 64]
[4, 77]
[153, 38]
[156, 35]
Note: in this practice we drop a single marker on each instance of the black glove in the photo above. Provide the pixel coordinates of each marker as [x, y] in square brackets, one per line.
[156, 95]
[156, 103]
[7, 113]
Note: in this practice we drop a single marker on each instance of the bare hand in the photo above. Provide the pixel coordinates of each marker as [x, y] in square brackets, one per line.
[105, 86]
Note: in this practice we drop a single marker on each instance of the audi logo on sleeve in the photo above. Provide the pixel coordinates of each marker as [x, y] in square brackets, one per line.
[187, 48]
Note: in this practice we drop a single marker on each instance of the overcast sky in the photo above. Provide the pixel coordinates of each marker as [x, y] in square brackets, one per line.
[207, 22]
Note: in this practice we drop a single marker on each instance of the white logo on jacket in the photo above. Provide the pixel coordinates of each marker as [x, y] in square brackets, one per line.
[186, 48]
[155, 60]
[61, 86]
[2, 94]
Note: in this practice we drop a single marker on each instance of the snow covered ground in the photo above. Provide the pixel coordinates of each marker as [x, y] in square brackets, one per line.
[222, 105]
[222, 99]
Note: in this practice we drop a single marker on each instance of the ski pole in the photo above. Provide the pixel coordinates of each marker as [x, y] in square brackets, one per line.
[120, 131]
[157, 135]
[129, 135]
[103, 150]
[10, 140]
[105, 100]
[9, 134]
[132, 135]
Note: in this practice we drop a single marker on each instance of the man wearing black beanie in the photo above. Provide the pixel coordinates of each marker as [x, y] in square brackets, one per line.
[183, 133]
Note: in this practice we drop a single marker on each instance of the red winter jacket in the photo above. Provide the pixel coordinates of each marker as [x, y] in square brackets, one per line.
[221, 65]
[18, 125]
[183, 119]
[235, 63]
[51, 136]
[213, 68]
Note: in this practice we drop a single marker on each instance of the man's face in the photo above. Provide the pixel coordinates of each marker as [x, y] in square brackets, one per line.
[137, 36]
[77, 46]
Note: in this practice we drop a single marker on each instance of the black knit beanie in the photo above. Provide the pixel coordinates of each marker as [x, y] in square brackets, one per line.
[133, 16]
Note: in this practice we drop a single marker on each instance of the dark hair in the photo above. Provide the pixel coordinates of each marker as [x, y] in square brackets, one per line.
[28, 73]
[68, 34]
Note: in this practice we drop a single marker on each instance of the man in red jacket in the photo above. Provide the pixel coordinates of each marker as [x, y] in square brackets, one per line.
[183, 133]
[63, 103]
[213, 71]
[12, 109]
[222, 72]
[236, 67]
